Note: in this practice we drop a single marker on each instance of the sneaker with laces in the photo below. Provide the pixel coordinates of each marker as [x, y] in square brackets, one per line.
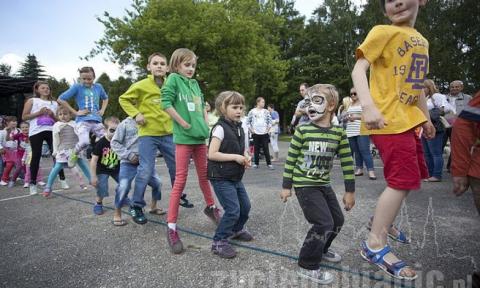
[72, 159]
[331, 256]
[223, 249]
[98, 209]
[11, 184]
[242, 235]
[64, 184]
[137, 215]
[213, 213]
[3, 183]
[174, 241]
[318, 276]
[33, 189]
[271, 167]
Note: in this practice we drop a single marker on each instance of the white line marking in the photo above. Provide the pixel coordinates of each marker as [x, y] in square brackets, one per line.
[13, 198]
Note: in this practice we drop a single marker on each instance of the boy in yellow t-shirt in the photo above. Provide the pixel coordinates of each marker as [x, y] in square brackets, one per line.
[393, 108]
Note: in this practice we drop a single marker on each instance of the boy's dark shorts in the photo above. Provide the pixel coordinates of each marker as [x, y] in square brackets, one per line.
[403, 159]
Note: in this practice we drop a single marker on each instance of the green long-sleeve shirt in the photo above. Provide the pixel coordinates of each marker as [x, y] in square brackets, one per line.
[144, 97]
[310, 157]
[185, 96]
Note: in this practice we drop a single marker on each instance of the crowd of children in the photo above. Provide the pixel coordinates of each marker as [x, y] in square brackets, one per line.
[169, 114]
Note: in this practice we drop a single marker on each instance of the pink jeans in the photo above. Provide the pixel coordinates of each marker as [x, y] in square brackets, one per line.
[182, 157]
[27, 175]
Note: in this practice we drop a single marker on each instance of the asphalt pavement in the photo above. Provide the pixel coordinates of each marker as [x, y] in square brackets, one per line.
[59, 242]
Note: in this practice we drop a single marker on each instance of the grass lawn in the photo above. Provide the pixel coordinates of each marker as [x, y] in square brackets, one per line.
[285, 137]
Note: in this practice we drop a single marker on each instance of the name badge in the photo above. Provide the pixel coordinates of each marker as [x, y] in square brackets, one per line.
[191, 106]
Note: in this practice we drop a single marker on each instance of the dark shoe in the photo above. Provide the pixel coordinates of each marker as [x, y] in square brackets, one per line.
[184, 202]
[174, 241]
[242, 235]
[331, 256]
[213, 213]
[97, 208]
[137, 215]
[223, 249]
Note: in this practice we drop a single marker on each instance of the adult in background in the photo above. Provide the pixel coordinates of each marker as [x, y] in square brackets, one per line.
[359, 144]
[274, 130]
[437, 105]
[40, 111]
[300, 117]
[342, 111]
[259, 122]
[458, 101]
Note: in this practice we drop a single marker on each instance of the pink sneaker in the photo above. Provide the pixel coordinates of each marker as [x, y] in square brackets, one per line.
[174, 241]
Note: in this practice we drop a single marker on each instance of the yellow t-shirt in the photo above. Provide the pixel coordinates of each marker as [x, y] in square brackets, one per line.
[398, 58]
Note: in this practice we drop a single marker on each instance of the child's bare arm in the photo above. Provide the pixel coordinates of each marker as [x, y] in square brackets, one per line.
[174, 114]
[93, 169]
[428, 128]
[371, 115]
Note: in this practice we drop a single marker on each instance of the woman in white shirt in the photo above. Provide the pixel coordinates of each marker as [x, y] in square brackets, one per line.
[259, 123]
[359, 144]
[40, 112]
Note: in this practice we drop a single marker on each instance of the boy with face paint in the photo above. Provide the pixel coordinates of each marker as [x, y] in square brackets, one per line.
[307, 169]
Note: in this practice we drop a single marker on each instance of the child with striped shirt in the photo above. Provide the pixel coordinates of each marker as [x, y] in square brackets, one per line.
[307, 169]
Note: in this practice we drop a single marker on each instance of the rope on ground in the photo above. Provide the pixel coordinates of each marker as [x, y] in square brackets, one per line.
[370, 275]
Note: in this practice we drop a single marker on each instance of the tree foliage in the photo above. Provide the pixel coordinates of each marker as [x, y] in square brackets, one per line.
[5, 69]
[114, 89]
[31, 68]
[233, 40]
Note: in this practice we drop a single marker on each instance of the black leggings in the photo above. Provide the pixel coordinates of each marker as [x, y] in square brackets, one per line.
[261, 141]
[36, 141]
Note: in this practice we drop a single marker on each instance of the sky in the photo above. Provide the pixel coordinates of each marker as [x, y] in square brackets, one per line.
[59, 32]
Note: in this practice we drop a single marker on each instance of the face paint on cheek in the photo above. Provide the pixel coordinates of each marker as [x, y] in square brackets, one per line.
[317, 107]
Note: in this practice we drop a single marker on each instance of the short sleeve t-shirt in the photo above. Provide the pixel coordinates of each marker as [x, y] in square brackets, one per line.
[218, 132]
[398, 58]
[108, 161]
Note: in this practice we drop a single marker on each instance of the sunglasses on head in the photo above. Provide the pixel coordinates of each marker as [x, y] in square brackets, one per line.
[111, 130]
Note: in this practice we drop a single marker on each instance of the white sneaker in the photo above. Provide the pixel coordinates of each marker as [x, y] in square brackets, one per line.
[318, 276]
[331, 256]
[26, 185]
[64, 184]
[3, 183]
[33, 189]
[41, 183]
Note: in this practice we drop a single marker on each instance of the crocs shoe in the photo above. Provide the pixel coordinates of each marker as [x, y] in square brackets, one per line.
[98, 209]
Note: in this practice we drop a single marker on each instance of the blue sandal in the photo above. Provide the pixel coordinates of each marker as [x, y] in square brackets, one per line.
[376, 258]
[401, 237]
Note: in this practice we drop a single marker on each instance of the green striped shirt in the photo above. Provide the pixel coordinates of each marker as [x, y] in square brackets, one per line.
[310, 157]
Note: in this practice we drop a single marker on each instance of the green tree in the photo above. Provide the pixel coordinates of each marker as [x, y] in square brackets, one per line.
[114, 89]
[57, 86]
[31, 68]
[5, 69]
[235, 48]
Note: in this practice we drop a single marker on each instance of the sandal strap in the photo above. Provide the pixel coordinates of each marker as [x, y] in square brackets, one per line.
[375, 257]
[395, 268]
